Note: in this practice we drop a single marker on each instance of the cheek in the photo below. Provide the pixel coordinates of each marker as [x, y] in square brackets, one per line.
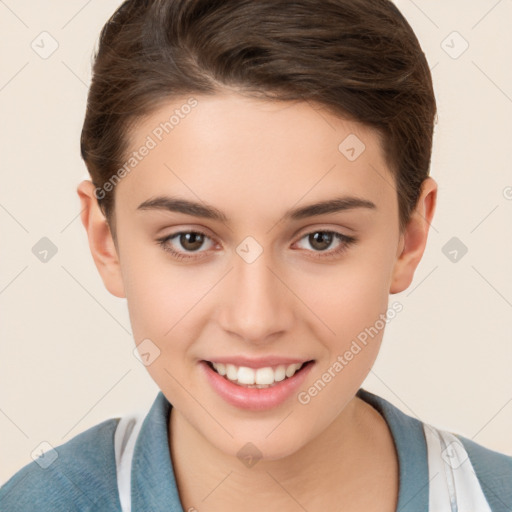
[351, 299]
[160, 301]
[164, 302]
[161, 297]
[352, 302]
[350, 296]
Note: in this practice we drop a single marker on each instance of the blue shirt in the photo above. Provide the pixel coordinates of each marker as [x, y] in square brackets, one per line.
[83, 476]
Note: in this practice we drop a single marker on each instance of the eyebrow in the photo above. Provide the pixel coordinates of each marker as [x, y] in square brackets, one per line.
[173, 204]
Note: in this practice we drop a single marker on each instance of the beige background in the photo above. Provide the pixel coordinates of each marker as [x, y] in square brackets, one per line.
[66, 360]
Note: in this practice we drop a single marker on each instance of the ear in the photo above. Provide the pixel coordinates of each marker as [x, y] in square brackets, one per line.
[101, 243]
[414, 238]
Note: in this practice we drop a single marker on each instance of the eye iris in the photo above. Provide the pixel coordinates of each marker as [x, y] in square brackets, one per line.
[322, 238]
[194, 239]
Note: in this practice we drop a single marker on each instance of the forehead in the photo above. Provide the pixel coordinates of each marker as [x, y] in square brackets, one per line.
[249, 155]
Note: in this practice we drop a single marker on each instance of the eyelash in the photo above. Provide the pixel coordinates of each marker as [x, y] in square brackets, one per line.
[346, 240]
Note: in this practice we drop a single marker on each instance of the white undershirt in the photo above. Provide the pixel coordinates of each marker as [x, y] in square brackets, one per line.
[126, 434]
[454, 486]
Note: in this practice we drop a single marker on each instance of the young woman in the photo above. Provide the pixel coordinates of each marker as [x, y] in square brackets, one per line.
[259, 188]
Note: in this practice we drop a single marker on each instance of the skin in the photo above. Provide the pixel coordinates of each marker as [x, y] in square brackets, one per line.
[254, 160]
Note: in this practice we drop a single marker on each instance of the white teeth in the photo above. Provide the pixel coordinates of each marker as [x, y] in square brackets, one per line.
[261, 377]
[231, 371]
[221, 369]
[246, 375]
[291, 370]
[280, 373]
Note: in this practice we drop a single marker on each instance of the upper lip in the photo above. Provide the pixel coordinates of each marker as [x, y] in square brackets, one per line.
[258, 362]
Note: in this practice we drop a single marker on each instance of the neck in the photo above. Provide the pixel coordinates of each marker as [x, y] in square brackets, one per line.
[330, 468]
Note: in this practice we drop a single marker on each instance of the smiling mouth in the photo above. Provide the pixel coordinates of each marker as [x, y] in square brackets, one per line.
[257, 378]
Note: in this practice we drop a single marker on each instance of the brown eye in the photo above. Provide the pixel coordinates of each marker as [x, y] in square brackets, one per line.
[191, 241]
[320, 240]
[184, 244]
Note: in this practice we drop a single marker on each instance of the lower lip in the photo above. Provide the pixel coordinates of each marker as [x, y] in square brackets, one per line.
[255, 399]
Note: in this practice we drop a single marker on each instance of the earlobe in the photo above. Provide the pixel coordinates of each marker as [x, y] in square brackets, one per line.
[414, 238]
[101, 243]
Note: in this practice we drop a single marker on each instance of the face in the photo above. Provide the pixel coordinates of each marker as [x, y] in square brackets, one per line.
[257, 281]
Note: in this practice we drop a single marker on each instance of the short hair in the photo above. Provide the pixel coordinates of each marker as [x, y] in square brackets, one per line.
[358, 58]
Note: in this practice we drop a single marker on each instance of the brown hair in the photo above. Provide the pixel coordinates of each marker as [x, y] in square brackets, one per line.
[359, 58]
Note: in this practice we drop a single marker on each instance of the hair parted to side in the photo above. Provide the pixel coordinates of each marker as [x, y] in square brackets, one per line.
[358, 58]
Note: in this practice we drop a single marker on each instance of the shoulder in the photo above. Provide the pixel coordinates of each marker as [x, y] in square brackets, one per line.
[77, 475]
[422, 456]
[494, 471]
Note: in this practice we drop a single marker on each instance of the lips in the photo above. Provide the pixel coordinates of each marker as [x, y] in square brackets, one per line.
[246, 396]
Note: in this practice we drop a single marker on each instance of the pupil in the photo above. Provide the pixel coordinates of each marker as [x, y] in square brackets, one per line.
[320, 240]
[194, 239]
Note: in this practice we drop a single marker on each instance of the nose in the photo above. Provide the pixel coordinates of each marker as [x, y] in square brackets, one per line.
[257, 306]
